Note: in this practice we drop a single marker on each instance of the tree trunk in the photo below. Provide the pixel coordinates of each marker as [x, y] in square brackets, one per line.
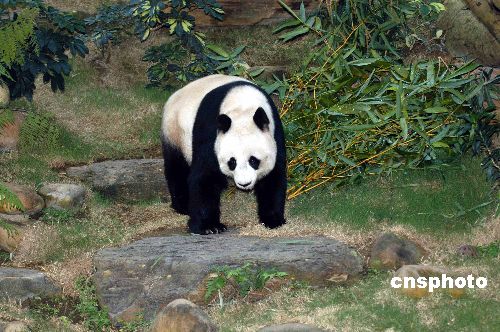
[487, 12]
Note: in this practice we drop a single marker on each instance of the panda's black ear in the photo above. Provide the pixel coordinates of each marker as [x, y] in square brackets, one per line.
[223, 123]
[260, 118]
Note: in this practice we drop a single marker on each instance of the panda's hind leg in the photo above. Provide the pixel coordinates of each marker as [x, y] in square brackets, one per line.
[176, 174]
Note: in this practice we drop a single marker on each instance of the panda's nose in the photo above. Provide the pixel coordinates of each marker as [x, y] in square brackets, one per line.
[244, 184]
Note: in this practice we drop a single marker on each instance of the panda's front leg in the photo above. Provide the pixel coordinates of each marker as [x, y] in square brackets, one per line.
[204, 203]
[271, 195]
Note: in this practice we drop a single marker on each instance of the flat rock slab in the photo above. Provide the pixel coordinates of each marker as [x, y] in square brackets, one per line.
[290, 327]
[22, 284]
[146, 275]
[124, 180]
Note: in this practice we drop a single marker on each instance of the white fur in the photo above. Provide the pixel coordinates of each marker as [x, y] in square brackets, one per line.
[243, 139]
[180, 111]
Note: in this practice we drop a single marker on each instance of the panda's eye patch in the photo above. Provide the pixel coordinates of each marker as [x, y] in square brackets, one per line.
[231, 164]
[254, 162]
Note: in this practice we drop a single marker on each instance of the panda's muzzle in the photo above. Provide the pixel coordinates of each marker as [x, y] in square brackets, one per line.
[244, 185]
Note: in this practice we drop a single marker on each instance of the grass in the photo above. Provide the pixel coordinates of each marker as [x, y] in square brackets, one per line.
[370, 305]
[453, 197]
[74, 237]
[119, 121]
[25, 169]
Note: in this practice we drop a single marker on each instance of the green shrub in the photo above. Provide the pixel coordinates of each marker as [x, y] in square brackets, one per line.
[55, 33]
[95, 318]
[356, 108]
[491, 250]
[246, 277]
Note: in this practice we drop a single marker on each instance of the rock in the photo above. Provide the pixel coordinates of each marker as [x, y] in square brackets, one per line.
[11, 236]
[4, 94]
[390, 252]
[182, 316]
[22, 284]
[32, 202]
[261, 12]
[467, 250]
[426, 271]
[9, 132]
[15, 221]
[290, 327]
[63, 196]
[124, 180]
[147, 274]
[20, 219]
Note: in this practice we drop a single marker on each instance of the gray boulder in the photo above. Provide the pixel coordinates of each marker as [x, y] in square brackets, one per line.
[148, 274]
[124, 180]
[390, 252]
[182, 316]
[22, 284]
[63, 196]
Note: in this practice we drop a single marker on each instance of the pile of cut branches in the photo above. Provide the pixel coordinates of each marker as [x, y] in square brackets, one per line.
[357, 109]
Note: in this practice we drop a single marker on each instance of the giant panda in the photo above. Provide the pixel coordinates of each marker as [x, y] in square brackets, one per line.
[217, 128]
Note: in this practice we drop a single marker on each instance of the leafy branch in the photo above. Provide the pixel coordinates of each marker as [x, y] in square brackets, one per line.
[356, 108]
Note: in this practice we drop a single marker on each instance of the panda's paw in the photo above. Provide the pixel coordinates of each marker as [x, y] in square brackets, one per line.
[206, 230]
[273, 221]
[219, 228]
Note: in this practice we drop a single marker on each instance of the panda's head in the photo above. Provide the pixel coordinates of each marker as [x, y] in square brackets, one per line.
[245, 146]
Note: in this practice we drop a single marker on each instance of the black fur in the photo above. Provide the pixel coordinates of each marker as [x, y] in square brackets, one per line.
[260, 119]
[197, 190]
[223, 123]
[176, 173]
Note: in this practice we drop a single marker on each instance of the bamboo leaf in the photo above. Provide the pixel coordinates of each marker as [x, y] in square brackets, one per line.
[218, 50]
[302, 12]
[294, 34]
[287, 24]
[436, 109]
[404, 127]
[466, 68]
[288, 9]
[347, 160]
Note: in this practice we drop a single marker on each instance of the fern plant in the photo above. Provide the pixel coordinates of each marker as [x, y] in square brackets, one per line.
[6, 117]
[9, 202]
[17, 36]
[39, 132]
